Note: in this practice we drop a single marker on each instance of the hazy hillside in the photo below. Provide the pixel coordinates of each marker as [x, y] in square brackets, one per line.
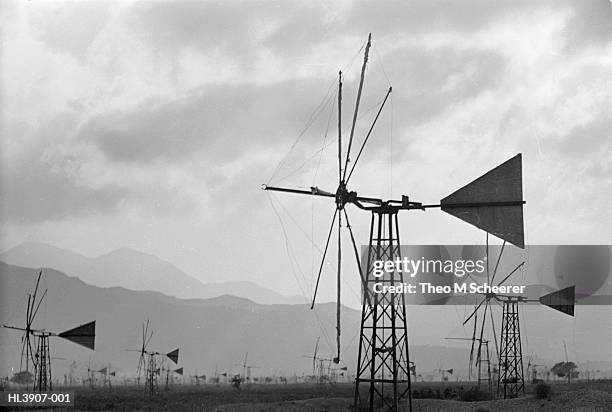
[211, 333]
[133, 270]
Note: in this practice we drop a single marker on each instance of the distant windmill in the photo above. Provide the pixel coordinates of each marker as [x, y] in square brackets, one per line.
[483, 362]
[40, 360]
[246, 369]
[443, 373]
[170, 374]
[147, 361]
[510, 379]
[197, 378]
[106, 373]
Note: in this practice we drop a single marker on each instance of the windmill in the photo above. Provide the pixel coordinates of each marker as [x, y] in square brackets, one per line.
[510, 377]
[246, 370]
[493, 203]
[483, 361]
[170, 374]
[147, 361]
[106, 373]
[318, 365]
[40, 360]
[444, 372]
[197, 378]
[314, 359]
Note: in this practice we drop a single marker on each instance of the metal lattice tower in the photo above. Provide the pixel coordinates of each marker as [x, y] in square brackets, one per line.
[42, 379]
[151, 375]
[510, 382]
[383, 362]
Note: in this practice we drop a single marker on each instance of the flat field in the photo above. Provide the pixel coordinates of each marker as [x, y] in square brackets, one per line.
[580, 396]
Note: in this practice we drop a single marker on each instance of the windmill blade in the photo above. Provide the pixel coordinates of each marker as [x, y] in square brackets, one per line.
[23, 348]
[472, 348]
[359, 90]
[37, 306]
[83, 335]
[501, 252]
[338, 296]
[141, 362]
[34, 296]
[561, 300]
[149, 337]
[494, 333]
[364, 282]
[28, 309]
[484, 319]
[331, 229]
[339, 128]
[493, 202]
[173, 356]
[475, 310]
[380, 109]
[511, 273]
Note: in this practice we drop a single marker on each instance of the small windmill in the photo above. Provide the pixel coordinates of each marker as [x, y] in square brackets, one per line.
[444, 372]
[147, 361]
[106, 373]
[170, 374]
[314, 358]
[197, 378]
[40, 360]
[483, 361]
[510, 379]
[246, 370]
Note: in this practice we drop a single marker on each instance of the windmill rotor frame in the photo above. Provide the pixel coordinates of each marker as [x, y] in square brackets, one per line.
[475, 203]
[83, 335]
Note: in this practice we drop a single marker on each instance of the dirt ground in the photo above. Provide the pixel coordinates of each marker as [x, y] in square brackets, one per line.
[580, 396]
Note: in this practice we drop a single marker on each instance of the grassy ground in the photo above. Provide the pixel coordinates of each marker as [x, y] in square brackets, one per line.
[594, 396]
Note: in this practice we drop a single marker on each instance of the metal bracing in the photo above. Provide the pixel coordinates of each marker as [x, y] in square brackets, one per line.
[42, 379]
[383, 362]
[510, 382]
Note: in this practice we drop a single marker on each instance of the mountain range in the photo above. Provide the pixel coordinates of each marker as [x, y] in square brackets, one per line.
[211, 333]
[135, 270]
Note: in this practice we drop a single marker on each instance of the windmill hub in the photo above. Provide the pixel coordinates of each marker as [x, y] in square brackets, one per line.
[343, 196]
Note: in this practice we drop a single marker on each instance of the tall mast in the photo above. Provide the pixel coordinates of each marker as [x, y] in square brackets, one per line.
[363, 69]
[339, 126]
[339, 268]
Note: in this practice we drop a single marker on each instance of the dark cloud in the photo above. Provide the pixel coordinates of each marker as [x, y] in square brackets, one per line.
[34, 192]
[74, 25]
[217, 123]
[591, 140]
[590, 24]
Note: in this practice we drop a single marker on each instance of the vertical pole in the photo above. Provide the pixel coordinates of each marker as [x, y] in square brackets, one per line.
[404, 339]
[373, 342]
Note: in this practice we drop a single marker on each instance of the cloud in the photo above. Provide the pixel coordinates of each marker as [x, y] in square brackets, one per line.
[177, 111]
[215, 123]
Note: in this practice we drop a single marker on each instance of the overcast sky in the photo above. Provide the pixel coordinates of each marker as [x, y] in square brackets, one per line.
[152, 125]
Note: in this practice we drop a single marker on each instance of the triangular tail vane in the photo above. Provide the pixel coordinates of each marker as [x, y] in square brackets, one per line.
[179, 371]
[173, 356]
[561, 300]
[493, 202]
[84, 335]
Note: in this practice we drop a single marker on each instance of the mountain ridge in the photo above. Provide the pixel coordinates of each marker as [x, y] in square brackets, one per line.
[134, 270]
